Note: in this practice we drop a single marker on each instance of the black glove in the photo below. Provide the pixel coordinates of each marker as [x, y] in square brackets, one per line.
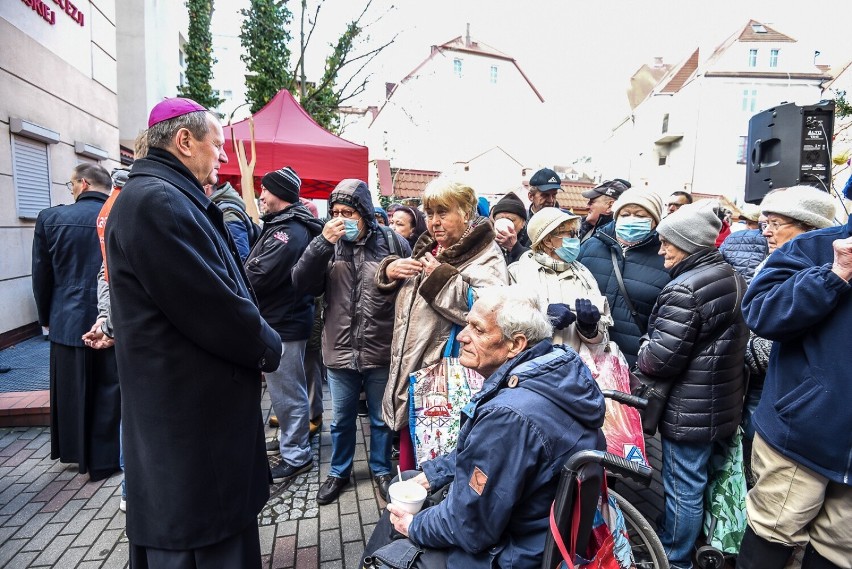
[588, 317]
[560, 315]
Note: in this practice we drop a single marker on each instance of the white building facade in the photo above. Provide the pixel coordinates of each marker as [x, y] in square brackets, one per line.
[66, 72]
[691, 131]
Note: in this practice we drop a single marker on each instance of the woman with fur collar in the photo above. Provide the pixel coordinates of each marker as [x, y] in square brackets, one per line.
[455, 255]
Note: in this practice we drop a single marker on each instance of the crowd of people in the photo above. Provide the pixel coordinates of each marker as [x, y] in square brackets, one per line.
[167, 305]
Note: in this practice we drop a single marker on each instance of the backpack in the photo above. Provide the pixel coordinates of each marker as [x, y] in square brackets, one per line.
[390, 239]
[252, 229]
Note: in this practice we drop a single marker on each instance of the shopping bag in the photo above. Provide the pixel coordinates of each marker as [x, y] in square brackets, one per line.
[438, 393]
[609, 544]
[724, 498]
[622, 425]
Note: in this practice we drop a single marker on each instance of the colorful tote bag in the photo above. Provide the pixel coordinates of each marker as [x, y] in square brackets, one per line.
[437, 394]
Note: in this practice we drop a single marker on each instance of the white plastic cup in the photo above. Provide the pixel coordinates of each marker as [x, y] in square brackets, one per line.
[503, 224]
[407, 496]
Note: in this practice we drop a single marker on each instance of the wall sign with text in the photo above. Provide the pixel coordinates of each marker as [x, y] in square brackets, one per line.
[48, 14]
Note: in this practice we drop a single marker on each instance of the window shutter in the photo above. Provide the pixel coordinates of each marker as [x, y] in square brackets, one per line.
[31, 170]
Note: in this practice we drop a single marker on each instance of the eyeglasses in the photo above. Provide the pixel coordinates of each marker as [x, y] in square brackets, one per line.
[70, 185]
[773, 225]
[347, 213]
[570, 234]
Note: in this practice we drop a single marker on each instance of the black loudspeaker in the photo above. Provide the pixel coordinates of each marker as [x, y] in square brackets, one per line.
[789, 145]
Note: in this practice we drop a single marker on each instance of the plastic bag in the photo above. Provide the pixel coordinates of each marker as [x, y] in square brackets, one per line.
[622, 425]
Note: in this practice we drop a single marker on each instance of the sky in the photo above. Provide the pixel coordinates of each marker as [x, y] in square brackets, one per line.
[579, 54]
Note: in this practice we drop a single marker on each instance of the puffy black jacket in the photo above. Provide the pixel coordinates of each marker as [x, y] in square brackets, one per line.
[745, 250]
[286, 235]
[644, 277]
[694, 342]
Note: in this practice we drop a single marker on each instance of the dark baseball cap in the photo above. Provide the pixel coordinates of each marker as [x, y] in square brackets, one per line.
[613, 189]
[545, 180]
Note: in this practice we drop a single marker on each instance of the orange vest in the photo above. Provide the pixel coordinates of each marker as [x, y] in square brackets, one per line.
[101, 225]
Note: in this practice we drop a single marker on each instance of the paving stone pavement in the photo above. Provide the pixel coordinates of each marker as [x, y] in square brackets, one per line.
[51, 516]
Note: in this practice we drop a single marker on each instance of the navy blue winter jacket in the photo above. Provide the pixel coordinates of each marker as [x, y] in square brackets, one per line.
[744, 251]
[644, 277]
[66, 261]
[806, 309]
[511, 446]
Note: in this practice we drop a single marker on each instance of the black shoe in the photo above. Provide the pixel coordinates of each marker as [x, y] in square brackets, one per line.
[273, 447]
[383, 482]
[362, 408]
[330, 489]
[284, 472]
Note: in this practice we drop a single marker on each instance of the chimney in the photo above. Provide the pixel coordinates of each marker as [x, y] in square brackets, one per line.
[658, 62]
[467, 36]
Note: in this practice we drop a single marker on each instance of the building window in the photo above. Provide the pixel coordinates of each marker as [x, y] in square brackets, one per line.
[182, 65]
[742, 150]
[31, 171]
[457, 67]
[661, 161]
[494, 74]
[752, 58]
[749, 100]
[773, 58]
[665, 123]
[227, 93]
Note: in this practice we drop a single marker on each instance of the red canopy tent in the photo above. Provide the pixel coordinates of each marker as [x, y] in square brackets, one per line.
[285, 135]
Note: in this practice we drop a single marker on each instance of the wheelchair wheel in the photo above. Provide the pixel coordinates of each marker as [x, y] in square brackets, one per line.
[647, 549]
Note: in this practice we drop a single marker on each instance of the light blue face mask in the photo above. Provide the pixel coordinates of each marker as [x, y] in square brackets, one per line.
[632, 229]
[570, 249]
[351, 229]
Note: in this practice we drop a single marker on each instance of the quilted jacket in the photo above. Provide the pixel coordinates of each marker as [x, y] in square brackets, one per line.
[644, 278]
[694, 343]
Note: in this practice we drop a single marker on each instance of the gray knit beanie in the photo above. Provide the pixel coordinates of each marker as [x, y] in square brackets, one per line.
[806, 204]
[692, 227]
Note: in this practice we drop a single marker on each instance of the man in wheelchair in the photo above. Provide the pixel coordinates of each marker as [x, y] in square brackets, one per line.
[538, 406]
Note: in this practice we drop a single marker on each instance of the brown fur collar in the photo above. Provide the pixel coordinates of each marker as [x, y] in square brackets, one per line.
[480, 237]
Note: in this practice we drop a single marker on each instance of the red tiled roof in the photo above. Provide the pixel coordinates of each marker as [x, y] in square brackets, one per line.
[681, 74]
[409, 183]
[749, 35]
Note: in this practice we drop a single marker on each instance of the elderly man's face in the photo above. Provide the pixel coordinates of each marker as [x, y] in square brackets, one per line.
[208, 154]
[483, 346]
[542, 199]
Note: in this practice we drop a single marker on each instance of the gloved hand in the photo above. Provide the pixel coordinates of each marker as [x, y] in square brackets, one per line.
[560, 315]
[588, 317]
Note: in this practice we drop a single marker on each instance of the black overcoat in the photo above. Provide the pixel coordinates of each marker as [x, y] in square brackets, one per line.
[66, 261]
[191, 345]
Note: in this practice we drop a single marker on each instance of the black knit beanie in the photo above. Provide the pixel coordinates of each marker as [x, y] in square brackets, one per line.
[283, 183]
[510, 203]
